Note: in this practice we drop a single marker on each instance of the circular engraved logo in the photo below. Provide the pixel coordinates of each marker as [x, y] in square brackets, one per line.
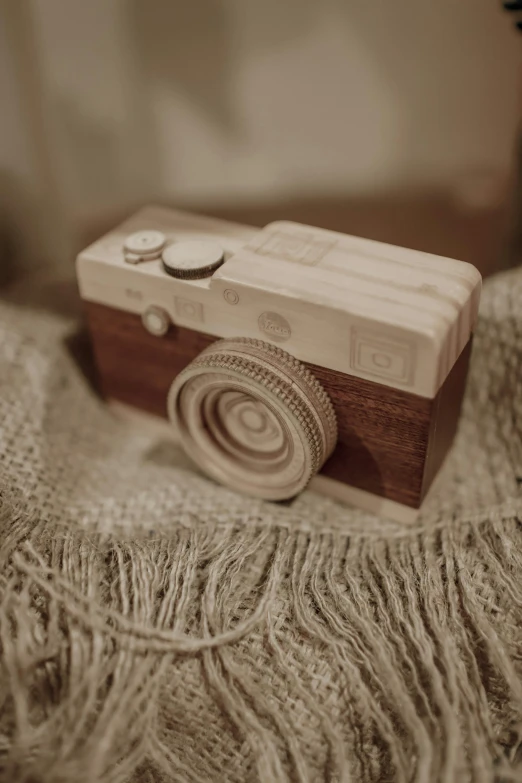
[231, 296]
[274, 326]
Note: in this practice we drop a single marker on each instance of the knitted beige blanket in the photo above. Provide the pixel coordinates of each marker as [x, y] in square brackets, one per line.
[156, 627]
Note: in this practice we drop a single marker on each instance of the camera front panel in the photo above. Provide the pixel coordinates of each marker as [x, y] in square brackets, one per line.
[390, 443]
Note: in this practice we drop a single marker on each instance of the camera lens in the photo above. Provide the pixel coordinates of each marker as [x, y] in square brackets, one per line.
[253, 418]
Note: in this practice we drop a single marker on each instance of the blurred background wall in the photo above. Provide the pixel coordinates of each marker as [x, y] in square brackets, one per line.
[249, 108]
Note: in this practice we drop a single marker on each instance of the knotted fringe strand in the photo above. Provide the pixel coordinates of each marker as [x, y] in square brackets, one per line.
[260, 653]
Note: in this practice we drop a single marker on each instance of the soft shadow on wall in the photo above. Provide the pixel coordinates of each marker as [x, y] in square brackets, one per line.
[324, 98]
[435, 118]
[199, 49]
[264, 100]
[188, 49]
[227, 107]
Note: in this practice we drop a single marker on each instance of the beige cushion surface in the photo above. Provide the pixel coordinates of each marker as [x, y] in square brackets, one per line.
[157, 627]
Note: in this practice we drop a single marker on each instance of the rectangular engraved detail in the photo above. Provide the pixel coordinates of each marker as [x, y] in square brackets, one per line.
[132, 293]
[381, 357]
[297, 248]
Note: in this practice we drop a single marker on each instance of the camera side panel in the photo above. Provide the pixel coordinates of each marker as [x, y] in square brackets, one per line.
[445, 416]
[392, 443]
[383, 437]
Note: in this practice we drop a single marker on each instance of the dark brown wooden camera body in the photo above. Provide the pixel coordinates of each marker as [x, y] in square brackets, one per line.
[391, 442]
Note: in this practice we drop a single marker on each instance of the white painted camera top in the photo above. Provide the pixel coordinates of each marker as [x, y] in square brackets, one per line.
[394, 316]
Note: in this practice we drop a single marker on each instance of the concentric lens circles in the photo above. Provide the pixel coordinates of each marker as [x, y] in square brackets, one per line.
[253, 417]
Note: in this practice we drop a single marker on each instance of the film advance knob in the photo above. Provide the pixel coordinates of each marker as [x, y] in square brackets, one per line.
[192, 259]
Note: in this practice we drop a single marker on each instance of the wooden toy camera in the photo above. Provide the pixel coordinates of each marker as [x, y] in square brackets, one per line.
[285, 355]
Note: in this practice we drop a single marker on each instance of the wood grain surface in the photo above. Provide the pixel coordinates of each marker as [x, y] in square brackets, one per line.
[391, 442]
[379, 312]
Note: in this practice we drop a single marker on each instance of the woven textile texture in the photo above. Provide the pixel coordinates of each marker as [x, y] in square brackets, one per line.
[157, 627]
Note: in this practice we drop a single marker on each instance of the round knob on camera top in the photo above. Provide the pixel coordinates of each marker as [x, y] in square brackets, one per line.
[143, 246]
[192, 259]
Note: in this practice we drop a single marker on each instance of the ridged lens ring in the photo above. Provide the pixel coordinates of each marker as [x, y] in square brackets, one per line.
[253, 418]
